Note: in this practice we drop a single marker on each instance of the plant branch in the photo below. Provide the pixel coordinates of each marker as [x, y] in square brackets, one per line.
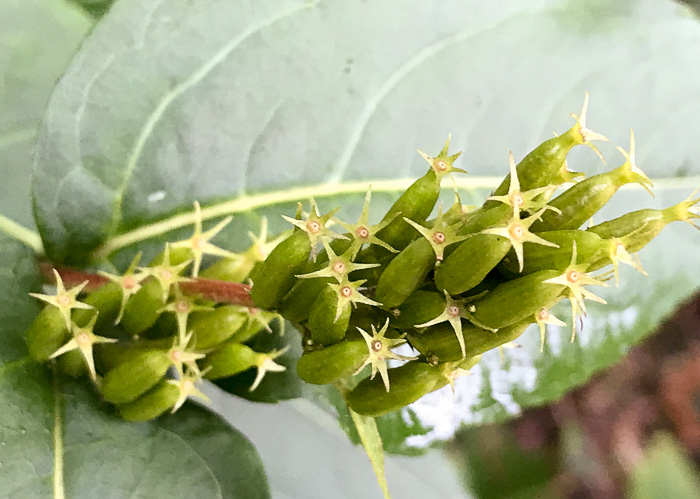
[209, 289]
[22, 234]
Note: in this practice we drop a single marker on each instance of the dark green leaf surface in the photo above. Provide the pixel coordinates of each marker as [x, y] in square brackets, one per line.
[56, 435]
[252, 107]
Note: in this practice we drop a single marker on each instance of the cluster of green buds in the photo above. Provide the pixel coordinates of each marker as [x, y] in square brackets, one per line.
[451, 287]
[147, 338]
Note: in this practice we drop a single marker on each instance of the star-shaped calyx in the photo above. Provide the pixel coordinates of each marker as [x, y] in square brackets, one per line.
[315, 227]
[339, 266]
[442, 164]
[265, 363]
[379, 349]
[534, 199]
[182, 306]
[199, 243]
[362, 232]
[439, 235]
[583, 135]
[458, 212]
[64, 299]
[517, 232]
[130, 283]
[543, 317]
[84, 339]
[187, 386]
[630, 171]
[508, 345]
[454, 312]
[452, 374]
[263, 319]
[686, 211]
[574, 279]
[348, 292]
[166, 273]
[619, 254]
[182, 355]
[262, 246]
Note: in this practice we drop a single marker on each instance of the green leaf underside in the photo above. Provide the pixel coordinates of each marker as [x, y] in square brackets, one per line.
[34, 55]
[59, 440]
[353, 109]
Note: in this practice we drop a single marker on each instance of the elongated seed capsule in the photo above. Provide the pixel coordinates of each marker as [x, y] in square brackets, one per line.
[638, 228]
[440, 344]
[47, 334]
[131, 379]
[151, 404]
[324, 366]
[326, 325]
[422, 306]
[144, 308]
[516, 300]
[214, 327]
[72, 363]
[296, 305]
[469, 264]
[483, 218]
[583, 200]
[110, 355]
[589, 247]
[277, 274]
[546, 164]
[229, 359]
[416, 203]
[229, 269]
[405, 273]
[106, 301]
[408, 383]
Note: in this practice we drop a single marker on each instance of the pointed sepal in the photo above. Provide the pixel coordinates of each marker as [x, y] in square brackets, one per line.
[64, 299]
[199, 244]
[442, 164]
[379, 349]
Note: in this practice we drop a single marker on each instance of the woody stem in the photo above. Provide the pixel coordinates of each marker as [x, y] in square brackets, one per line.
[208, 289]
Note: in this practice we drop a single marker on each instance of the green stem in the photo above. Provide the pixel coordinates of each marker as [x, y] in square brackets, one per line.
[22, 234]
[58, 484]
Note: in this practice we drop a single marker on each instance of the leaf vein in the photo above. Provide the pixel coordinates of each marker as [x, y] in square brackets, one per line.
[195, 78]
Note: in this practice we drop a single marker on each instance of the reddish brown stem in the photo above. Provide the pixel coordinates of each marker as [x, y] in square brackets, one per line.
[209, 289]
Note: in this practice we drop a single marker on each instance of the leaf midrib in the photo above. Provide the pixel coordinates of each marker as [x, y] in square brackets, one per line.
[247, 203]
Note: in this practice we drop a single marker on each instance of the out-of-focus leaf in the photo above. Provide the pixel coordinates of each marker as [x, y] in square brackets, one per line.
[38, 39]
[665, 471]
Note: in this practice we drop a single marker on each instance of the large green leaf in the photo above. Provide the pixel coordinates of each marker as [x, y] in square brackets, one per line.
[252, 107]
[57, 438]
[38, 38]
